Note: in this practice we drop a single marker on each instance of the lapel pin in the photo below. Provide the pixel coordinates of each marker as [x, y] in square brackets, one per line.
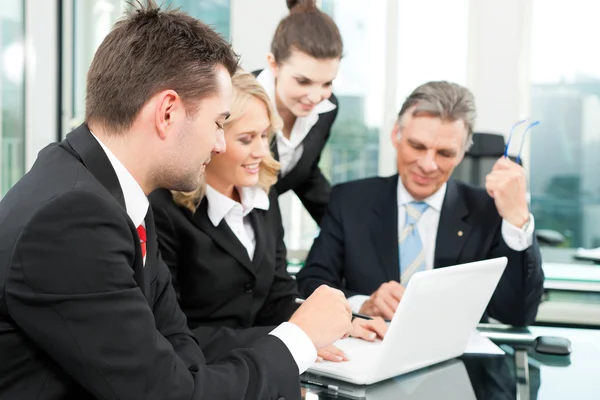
[459, 233]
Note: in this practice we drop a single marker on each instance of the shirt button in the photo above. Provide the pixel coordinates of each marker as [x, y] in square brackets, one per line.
[248, 288]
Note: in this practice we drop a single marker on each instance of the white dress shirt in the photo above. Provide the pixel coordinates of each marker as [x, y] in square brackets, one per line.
[136, 202]
[236, 216]
[516, 238]
[298, 343]
[290, 150]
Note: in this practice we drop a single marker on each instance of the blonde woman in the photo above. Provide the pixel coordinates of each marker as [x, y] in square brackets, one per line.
[224, 242]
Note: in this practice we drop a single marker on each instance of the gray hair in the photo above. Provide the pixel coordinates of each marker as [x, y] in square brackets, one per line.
[445, 100]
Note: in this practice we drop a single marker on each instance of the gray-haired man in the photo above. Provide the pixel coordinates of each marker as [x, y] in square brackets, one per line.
[379, 231]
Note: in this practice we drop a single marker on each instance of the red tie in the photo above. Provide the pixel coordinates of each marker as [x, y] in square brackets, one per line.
[142, 234]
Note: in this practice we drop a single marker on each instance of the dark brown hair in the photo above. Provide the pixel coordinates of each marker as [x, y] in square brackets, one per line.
[148, 51]
[309, 30]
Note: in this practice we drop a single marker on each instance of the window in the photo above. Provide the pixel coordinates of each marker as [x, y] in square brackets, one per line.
[212, 12]
[564, 184]
[431, 45]
[92, 20]
[352, 151]
[12, 97]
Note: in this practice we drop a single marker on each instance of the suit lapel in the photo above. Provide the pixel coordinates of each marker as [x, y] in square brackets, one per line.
[151, 242]
[223, 236]
[384, 228]
[453, 230]
[274, 149]
[95, 160]
[257, 219]
[308, 149]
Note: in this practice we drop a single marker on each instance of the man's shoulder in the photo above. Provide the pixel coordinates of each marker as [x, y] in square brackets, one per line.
[474, 197]
[55, 180]
[362, 191]
[373, 183]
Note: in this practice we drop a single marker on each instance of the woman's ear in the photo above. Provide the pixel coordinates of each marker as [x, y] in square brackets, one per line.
[272, 64]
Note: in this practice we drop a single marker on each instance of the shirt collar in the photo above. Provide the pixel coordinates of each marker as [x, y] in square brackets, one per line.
[136, 202]
[220, 205]
[434, 201]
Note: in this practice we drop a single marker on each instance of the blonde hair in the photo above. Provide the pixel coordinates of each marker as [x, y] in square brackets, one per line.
[245, 87]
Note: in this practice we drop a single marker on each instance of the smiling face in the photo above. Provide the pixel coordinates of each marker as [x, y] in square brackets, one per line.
[246, 139]
[428, 150]
[303, 81]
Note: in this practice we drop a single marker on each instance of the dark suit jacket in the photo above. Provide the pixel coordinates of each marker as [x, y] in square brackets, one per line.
[357, 249]
[306, 178]
[81, 317]
[221, 291]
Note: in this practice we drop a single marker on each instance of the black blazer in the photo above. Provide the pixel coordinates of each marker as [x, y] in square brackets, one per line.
[81, 317]
[221, 291]
[357, 249]
[306, 178]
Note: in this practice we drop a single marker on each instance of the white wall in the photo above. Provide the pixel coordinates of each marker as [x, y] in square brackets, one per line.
[253, 24]
[499, 62]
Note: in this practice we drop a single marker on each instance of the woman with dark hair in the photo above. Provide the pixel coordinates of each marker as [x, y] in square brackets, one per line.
[305, 56]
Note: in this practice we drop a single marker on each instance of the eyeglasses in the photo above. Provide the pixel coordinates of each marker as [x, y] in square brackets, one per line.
[529, 127]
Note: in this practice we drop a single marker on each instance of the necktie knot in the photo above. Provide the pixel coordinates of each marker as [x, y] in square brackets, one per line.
[142, 234]
[414, 210]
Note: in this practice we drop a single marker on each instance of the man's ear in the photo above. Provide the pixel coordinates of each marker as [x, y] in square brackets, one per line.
[167, 105]
[396, 134]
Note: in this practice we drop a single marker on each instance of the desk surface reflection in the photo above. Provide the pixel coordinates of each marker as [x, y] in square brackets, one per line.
[520, 374]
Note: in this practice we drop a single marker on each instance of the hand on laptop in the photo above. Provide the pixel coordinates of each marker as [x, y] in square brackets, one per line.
[331, 353]
[384, 301]
[363, 329]
[325, 316]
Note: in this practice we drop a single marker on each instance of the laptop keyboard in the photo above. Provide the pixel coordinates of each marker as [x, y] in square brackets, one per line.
[359, 352]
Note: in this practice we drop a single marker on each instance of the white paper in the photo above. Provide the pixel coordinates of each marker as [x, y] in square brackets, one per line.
[572, 272]
[479, 344]
[589, 253]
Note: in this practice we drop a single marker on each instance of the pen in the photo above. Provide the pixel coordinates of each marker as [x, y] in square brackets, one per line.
[355, 315]
[333, 388]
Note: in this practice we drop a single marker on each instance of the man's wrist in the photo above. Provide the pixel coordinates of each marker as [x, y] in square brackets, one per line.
[521, 222]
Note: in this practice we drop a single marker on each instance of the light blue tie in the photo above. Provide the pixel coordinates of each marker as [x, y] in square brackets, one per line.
[410, 247]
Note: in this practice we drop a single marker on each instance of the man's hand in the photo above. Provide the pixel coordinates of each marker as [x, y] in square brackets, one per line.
[368, 330]
[507, 185]
[384, 301]
[325, 316]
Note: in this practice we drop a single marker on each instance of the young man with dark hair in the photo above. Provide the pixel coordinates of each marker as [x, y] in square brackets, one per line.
[87, 310]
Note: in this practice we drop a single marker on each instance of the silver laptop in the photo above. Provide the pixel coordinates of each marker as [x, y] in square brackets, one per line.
[434, 321]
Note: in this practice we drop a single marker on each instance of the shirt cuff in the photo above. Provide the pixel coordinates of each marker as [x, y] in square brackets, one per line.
[518, 239]
[298, 343]
[357, 301]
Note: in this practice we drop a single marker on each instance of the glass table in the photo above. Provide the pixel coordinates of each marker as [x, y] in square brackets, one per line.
[520, 374]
